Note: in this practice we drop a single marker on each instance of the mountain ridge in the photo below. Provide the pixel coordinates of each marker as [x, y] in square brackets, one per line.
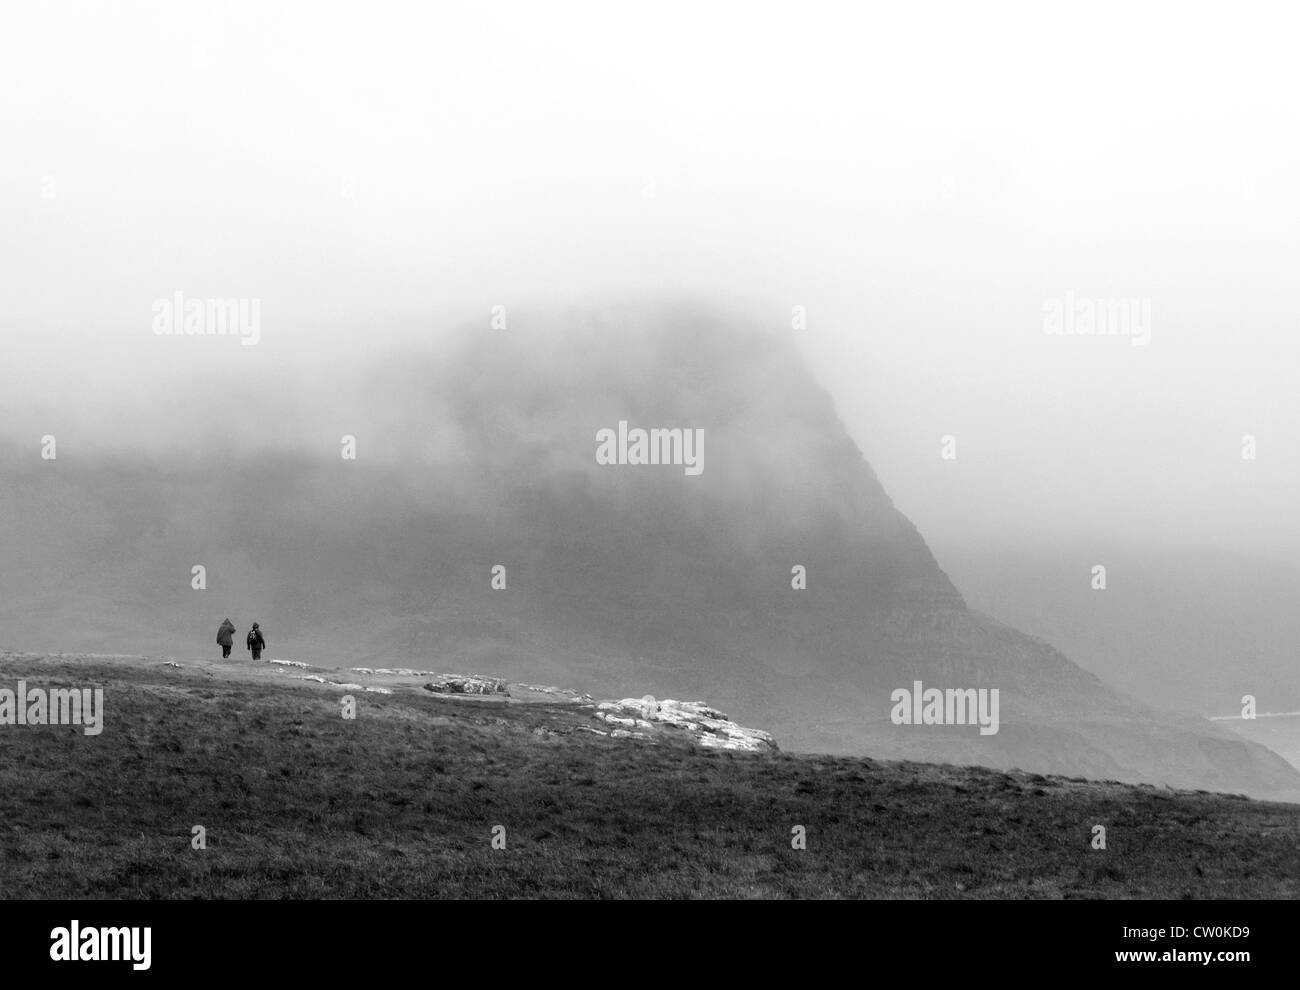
[618, 579]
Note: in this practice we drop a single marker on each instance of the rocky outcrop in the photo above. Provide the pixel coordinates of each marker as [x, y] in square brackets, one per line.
[395, 671]
[467, 684]
[562, 694]
[641, 717]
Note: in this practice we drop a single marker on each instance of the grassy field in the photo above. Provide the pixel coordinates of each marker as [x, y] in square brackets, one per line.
[401, 802]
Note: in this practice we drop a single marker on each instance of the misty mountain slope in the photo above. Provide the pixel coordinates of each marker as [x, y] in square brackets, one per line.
[621, 579]
[1184, 629]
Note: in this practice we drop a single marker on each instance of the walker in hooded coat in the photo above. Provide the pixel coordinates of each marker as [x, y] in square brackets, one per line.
[226, 637]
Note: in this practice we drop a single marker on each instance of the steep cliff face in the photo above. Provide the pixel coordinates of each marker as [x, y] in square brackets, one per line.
[619, 578]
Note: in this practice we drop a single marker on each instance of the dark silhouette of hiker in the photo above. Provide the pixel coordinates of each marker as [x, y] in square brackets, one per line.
[226, 637]
[256, 642]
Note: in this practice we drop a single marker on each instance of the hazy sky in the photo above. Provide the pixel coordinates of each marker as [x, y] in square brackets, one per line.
[922, 180]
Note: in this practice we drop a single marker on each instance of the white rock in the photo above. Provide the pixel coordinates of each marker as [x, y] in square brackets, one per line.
[396, 671]
[708, 726]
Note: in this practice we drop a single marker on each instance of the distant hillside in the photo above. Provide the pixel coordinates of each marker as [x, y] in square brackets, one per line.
[1191, 630]
[404, 801]
[620, 579]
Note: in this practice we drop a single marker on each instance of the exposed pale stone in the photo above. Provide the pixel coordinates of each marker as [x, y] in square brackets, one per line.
[396, 671]
[709, 726]
[467, 684]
